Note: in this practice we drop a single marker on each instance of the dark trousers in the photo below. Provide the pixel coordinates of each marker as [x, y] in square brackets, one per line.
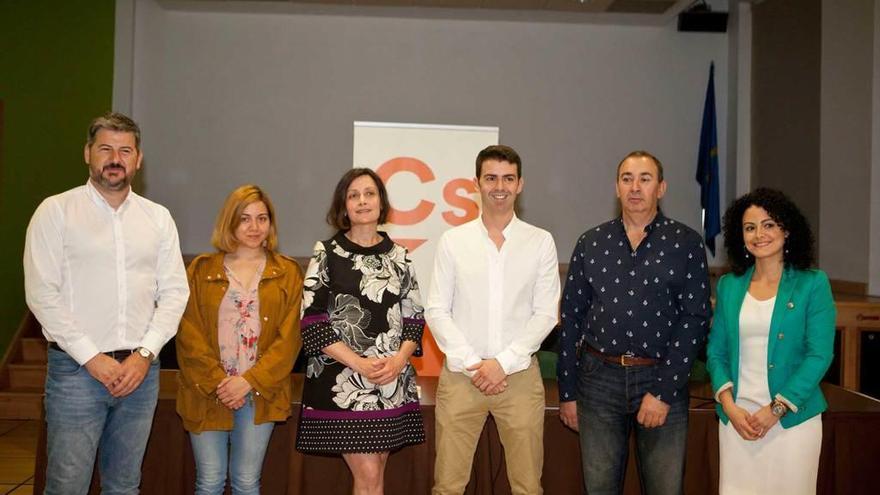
[610, 397]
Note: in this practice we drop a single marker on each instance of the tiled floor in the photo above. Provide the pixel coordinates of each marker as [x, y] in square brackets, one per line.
[18, 451]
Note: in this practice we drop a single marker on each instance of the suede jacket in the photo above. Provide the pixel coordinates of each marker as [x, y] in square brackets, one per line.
[198, 351]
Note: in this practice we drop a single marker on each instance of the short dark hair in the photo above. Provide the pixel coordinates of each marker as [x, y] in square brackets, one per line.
[642, 154]
[799, 245]
[115, 122]
[337, 215]
[501, 153]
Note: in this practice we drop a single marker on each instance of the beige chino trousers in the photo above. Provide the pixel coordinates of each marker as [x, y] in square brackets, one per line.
[461, 411]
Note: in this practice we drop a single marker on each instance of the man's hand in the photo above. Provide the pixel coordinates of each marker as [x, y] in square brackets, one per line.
[652, 412]
[232, 391]
[105, 369]
[568, 413]
[489, 377]
[134, 369]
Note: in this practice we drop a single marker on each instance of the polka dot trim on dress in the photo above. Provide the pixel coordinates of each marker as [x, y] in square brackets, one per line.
[317, 336]
[359, 435]
[412, 330]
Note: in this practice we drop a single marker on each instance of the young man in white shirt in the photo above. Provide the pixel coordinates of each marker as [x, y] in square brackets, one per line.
[493, 298]
[105, 278]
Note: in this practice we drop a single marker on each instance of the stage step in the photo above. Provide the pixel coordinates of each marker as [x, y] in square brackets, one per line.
[27, 374]
[33, 349]
[21, 403]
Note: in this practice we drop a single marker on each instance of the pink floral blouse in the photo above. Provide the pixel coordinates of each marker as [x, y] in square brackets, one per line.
[238, 325]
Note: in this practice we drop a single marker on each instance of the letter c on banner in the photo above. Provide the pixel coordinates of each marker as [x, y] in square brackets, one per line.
[421, 170]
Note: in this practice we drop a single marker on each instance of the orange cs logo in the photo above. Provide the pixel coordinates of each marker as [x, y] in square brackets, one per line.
[455, 194]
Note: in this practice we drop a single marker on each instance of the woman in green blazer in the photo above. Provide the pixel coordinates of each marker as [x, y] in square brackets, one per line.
[770, 344]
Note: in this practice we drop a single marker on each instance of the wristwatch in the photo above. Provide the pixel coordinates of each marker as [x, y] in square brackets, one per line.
[778, 408]
[145, 353]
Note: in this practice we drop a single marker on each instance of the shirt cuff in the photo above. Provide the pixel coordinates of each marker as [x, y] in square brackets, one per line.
[82, 350]
[722, 389]
[565, 396]
[568, 386]
[512, 363]
[787, 402]
[460, 365]
[153, 342]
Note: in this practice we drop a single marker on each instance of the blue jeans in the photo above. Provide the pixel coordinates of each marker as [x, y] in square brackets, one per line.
[239, 451]
[609, 399]
[84, 419]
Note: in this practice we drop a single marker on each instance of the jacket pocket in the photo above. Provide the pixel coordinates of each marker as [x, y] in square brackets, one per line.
[280, 404]
[191, 405]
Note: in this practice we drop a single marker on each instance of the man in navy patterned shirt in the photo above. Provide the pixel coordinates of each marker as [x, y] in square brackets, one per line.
[635, 311]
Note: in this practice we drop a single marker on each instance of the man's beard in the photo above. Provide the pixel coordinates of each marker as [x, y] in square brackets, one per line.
[114, 185]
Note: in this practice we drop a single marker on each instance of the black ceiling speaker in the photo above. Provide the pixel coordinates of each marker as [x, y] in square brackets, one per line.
[699, 18]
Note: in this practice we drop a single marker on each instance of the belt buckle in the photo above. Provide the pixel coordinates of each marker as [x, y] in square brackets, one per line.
[623, 359]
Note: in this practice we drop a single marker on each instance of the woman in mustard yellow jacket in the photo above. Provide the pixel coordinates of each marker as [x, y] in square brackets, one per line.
[237, 343]
[771, 343]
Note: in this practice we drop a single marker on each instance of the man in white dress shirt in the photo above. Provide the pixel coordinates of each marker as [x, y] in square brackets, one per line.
[493, 298]
[105, 278]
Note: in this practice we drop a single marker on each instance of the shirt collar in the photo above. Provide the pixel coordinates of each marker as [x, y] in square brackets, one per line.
[99, 199]
[506, 231]
[658, 220]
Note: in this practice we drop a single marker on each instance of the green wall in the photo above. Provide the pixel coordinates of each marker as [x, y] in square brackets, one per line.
[56, 74]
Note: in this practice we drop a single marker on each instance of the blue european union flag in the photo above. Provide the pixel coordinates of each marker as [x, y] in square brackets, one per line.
[707, 168]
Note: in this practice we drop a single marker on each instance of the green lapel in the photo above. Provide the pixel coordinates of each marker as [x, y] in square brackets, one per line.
[781, 307]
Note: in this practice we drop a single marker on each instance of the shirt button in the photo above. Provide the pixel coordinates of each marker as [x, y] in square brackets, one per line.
[257, 394]
[771, 366]
[265, 318]
[780, 336]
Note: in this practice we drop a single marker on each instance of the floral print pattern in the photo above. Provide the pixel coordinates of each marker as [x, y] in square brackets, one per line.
[365, 294]
[239, 326]
[349, 320]
[356, 392]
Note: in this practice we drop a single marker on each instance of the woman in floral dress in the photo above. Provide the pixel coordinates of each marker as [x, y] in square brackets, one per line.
[362, 320]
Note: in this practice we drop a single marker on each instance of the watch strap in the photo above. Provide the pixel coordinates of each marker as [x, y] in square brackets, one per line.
[778, 408]
[145, 353]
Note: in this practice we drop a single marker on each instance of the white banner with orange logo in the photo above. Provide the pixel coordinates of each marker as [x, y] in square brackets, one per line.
[428, 171]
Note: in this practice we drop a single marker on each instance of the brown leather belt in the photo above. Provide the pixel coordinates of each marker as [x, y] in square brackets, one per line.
[623, 360]
[117, 355]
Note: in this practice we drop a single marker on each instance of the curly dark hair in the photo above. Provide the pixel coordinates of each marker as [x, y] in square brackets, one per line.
[799, 245]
